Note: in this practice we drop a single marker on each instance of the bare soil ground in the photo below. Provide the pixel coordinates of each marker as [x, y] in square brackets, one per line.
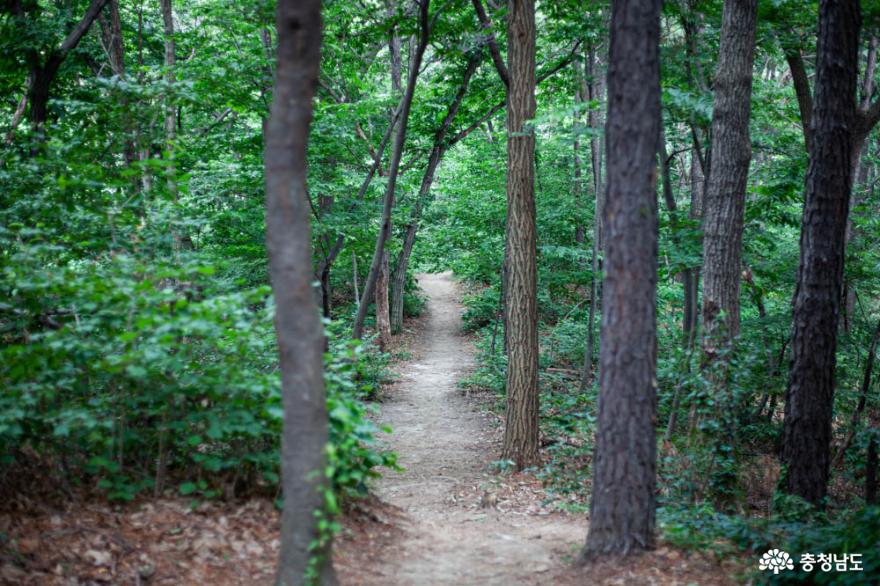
[446, 519]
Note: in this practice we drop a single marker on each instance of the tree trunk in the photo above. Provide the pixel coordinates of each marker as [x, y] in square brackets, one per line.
[672, 206]
[394, 168]
[726, 191]
[816, 305]
[383, 321]
[111, 32]
[577, 186]
[692, 286]
[398, 277]
[595, 92]
[622, 509]
[300, 336]
[521, 419]
[43, 75]
[170, 118]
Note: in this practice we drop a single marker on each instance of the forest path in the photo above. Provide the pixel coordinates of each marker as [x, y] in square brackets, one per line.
[460, 527]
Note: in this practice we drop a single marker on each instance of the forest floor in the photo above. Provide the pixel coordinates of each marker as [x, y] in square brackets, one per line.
[447, 518]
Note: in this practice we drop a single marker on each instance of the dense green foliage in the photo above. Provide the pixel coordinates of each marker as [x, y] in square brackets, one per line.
[136, 341]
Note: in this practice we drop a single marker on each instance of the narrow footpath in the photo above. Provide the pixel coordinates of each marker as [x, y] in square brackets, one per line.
[459, 528]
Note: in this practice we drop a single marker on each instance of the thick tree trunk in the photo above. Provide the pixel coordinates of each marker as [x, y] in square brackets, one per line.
[622, 509]
[300, 336]
[394, 168]
[726, 191]
[816, 305]
[521, 419]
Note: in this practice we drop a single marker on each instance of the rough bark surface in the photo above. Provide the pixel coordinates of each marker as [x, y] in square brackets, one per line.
[383, 320]
[622, 509]
[300, 336]
[521, 419]
[726, 190]
[816, 305]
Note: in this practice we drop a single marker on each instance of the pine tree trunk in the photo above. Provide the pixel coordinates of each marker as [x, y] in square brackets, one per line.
[622, 509]
[726, 190]
[816, 305]
[299, 331]
[521, 419]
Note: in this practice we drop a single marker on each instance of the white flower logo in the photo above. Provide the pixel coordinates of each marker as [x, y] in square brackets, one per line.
[776, 560]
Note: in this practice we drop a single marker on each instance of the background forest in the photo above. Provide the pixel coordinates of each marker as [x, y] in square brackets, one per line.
[138, 355]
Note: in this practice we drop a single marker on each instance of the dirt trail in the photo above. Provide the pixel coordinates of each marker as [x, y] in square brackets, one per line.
[446, 445]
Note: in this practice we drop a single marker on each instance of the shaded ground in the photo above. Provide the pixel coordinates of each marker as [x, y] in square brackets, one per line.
[447, 519]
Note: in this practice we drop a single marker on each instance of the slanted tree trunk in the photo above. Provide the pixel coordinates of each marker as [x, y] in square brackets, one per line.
[622, 509]
[521, 419]
[300, 336]
[726, 191]
[398, 277]
[393, 170]
[816, 305]
[43, 74]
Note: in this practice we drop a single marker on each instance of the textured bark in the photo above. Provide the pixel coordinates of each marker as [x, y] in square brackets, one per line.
[393, 170]
[622, 509]
[398, 277]
[383, 320]
[816, 305]
[521, 418]
[726, 190]
[300, 336]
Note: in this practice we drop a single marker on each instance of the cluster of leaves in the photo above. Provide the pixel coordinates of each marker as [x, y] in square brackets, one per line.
[113, 366]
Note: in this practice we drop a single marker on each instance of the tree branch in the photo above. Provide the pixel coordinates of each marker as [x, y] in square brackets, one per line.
[802, 89]
[486, 25]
